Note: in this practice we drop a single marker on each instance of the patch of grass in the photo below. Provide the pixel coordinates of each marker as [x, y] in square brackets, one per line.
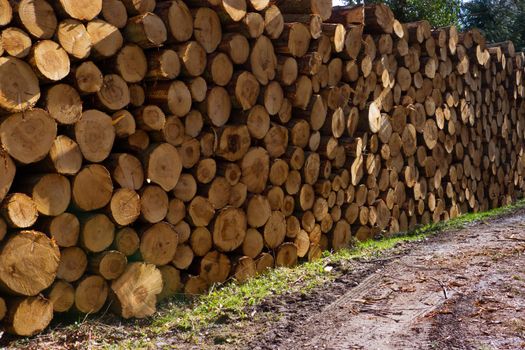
[233, 300]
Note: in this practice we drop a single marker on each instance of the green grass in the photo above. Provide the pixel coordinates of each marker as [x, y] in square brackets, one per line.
[233, 300]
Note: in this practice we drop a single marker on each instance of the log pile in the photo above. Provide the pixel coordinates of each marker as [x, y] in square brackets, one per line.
[155, 147]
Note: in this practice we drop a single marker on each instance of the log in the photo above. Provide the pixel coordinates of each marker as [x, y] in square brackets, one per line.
[377, 18]
[28, 316]
[16, 42]
[126, 241]
[7, 13]
[105, 37]
[215, 267]
[62, 295]
[153, 204]
[273, 22]
[96, 232]
[136, 7]
[236, 46]
[88, 78]
[125, 206]
[21, 253]
[74, 38]
[109, 264]
[255, 169]
[177, 17]
[286, 255]
[64, 104]
[37, 17]
[264, 262]
[73, 264]
[36, 127]
[229, 229]
[322, 8]
[183, 257]
[244, 269]
[146, 30]
[114, 12]
[114, 93]
[171, 282]
[51, 193]
[126, 170]
[19, 210]
[18, 85]
[63, 228]
[91, 294]
[97, 178]
[163, 165]
[263, 61]
[158, 244]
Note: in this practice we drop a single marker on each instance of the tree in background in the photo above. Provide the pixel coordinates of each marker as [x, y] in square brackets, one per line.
[439, 13]
[499, 20]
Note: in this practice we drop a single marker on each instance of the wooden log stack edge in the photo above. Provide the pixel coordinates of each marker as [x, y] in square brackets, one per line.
[150, 148]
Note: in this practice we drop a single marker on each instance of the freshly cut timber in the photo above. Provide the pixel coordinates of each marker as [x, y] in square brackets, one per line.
[158, 243]
[207, 29]
[88, 78]
[135, 291]
[97, 178]
[114, 93]
[137, 7]
[19, 89]
[49, 60]
[91, 294]
[114, 12]
[171, 282]
[37, 17]
[73, 263]
[62, 295]
[215, 267]
[163, 165]
[124, 206]
[28, 316]
[322, 8]
[255, 167]
[74, 38]
[96, 232]
[35, 127]
[126, 170]
[263, 61]
[64, 229]
[7, 173]
[131, 63]
[95, 135]
[16, 42]
[105, 37]
[84, 10]
[109, 264]
[63, 104]
[377, 18]
[51, 193]
[146, 30]
[28, 263]
[229, 229]
[6, 12]
[177, 17]
[19, 210]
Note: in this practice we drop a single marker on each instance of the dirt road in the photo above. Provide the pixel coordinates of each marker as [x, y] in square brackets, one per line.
[462, 289]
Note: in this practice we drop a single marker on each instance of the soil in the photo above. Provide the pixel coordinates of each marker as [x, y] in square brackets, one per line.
[462, 289]
[459, 289]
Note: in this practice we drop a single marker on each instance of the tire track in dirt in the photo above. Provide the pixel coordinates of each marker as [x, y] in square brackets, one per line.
[438, 296]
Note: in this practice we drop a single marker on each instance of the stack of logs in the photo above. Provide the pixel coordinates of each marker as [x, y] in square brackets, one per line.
[154, 147]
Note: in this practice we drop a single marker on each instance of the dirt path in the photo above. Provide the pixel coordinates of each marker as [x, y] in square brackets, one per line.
[462, 289]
